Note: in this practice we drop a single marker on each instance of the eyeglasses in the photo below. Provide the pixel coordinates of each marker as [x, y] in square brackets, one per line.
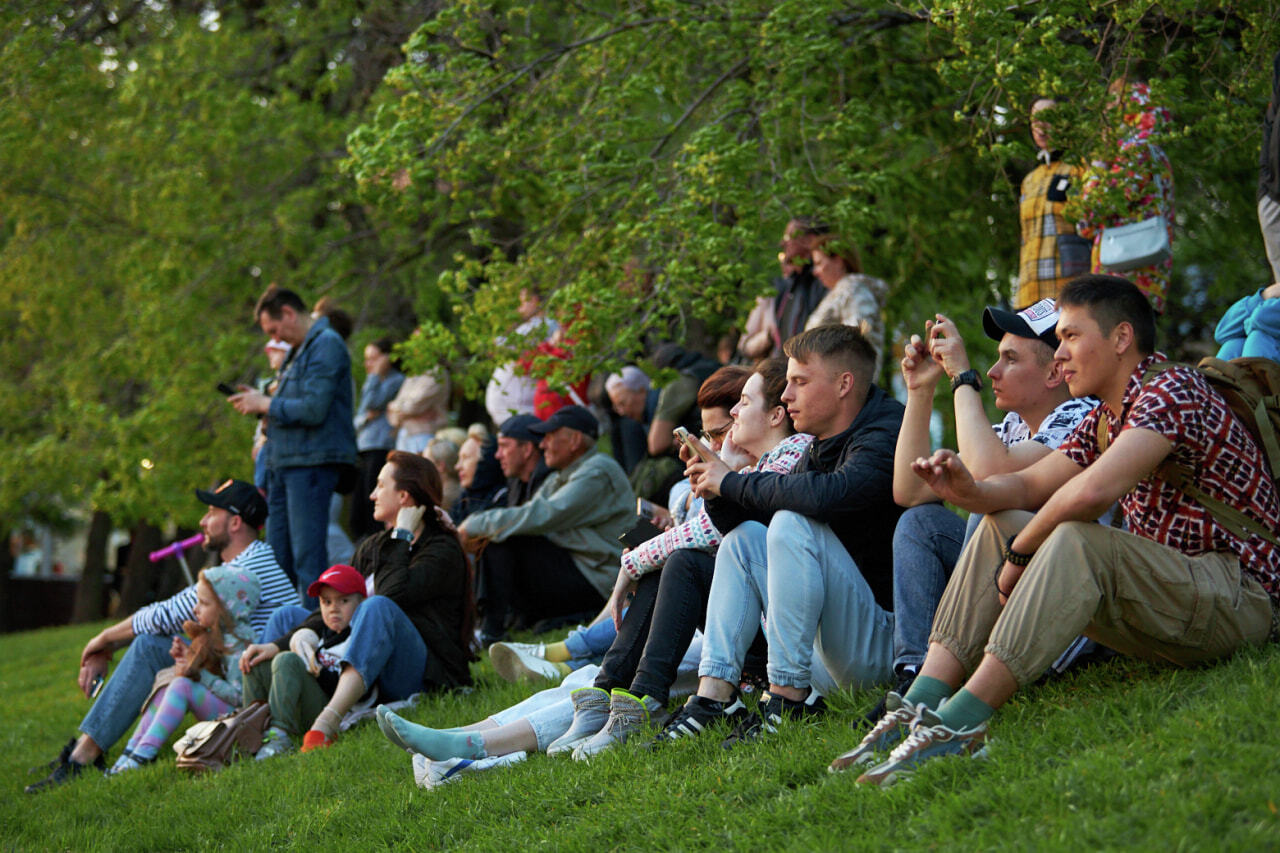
[710, 434]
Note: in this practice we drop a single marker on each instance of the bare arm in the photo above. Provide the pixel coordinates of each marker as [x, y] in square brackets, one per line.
[1134, 455]
[1027, 489]
[660, 438]
[921, 374]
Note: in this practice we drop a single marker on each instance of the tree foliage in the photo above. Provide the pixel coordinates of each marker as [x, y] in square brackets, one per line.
[160, 162]
[637, 160]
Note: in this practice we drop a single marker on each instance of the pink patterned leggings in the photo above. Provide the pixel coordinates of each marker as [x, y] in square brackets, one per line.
[167, 708]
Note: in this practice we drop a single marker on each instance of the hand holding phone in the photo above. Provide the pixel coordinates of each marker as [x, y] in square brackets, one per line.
[696, 447]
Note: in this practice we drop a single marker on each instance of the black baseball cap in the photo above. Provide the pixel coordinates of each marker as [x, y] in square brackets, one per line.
[240, 498]
[1035, 321]
[573, 417]
[520, 427]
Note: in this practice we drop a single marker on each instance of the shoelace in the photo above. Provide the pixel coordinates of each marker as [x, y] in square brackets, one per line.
[893, 719]
[920, 736]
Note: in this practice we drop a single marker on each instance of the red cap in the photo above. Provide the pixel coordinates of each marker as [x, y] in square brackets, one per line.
[344, 579]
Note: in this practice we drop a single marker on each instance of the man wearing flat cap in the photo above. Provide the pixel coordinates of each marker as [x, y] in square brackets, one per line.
[236, 513]
[557, 554]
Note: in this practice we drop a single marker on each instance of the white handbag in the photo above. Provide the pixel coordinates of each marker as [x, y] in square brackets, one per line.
[1137, 245]
[1130, 247]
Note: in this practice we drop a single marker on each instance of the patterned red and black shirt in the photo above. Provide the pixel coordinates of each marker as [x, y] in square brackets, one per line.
[1210, 444]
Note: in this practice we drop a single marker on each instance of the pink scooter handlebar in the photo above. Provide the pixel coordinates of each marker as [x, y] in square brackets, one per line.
[176, 548]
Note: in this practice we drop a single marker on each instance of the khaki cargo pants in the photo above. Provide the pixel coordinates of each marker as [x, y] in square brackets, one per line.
[1134, 595]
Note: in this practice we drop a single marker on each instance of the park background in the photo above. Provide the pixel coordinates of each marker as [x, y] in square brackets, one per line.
[419, 163]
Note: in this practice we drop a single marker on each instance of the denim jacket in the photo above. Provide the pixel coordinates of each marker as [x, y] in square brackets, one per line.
[310, 419]
[378, 391]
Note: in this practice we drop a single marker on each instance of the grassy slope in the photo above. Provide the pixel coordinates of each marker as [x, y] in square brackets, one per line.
[1126, 755]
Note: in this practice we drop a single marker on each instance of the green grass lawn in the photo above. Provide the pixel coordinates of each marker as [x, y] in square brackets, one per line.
[1123, 756]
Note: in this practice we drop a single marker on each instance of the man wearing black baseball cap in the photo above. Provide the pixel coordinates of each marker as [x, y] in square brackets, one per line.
[1040, 413]
[557, 554]
[230, 527]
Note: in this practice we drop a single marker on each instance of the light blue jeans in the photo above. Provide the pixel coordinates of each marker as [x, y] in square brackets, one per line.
[926, 546]
[816, 602]
[588, 645]
[550, 712]
[120, 702]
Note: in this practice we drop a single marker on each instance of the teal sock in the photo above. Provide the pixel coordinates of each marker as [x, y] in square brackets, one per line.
[436, 744]
[964, 711]
[928, 692]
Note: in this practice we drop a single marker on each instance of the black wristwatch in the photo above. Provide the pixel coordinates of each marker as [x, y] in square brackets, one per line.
[968, 377]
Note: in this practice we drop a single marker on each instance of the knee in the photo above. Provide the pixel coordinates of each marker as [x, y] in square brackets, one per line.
[913, 524]
[376, 607]
[786, 524]
[740, 539]
[286, 662]
[682, 561]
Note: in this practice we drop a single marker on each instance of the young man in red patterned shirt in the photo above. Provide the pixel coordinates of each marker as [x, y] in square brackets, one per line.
[1175, 585]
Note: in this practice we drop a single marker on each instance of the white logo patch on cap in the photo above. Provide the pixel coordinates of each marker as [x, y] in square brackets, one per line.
[1041, 316]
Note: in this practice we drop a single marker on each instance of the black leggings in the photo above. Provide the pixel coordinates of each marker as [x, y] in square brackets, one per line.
[667, 607]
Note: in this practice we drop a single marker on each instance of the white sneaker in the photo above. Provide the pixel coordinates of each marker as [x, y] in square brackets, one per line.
[590, 713]
[523, 662]
[432, 774]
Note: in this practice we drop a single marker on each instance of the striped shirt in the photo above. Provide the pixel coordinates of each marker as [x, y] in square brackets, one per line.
[165, 618]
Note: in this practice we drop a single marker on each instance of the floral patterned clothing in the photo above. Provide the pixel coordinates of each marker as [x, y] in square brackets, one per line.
[698, 532]
[1129, 182]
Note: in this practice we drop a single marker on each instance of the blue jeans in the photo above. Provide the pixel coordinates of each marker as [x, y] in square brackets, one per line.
[298, 521]
[588, 645]
[120, 702]
[815, 600]
[926, 546]
[385, 647]
[283, 620]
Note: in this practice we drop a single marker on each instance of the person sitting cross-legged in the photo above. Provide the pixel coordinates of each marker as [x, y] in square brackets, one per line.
[1178, 585]
[811, 549]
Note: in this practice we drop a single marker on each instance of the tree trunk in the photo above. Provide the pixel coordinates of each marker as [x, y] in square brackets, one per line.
[140, 574]
[89, 591]
[6, 566]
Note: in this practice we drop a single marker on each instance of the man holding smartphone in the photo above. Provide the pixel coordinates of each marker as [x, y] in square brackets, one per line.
[230, 527]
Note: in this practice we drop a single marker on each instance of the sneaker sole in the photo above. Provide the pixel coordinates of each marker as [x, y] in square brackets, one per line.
[506, 662]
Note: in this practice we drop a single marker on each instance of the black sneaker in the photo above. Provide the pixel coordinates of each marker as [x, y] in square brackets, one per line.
[877, 713]
[64, 769]
[772, 711]
[699, 713]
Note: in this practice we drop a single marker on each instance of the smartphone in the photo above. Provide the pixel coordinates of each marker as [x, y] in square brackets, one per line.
[95, 687]
[696, 447]
[641, 533]
[225, 389]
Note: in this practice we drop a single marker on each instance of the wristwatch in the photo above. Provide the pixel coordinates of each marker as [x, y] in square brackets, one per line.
[968, 377]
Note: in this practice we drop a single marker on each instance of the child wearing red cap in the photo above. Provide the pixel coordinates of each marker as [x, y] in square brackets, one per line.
[300, 682]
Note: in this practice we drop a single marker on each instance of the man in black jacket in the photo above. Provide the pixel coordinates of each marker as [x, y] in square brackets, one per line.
[811, 550]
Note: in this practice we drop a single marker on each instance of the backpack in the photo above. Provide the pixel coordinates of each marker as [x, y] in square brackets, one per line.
[1251, 388]
[213, 744]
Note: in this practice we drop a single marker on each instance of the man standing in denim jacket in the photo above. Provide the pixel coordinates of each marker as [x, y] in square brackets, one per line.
[310, 436]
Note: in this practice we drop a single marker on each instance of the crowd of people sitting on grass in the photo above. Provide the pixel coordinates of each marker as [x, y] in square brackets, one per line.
[758, 535]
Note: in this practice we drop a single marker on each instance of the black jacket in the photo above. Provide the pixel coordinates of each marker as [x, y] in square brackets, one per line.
[428, 581]
[845, 481]
[1269, 157]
